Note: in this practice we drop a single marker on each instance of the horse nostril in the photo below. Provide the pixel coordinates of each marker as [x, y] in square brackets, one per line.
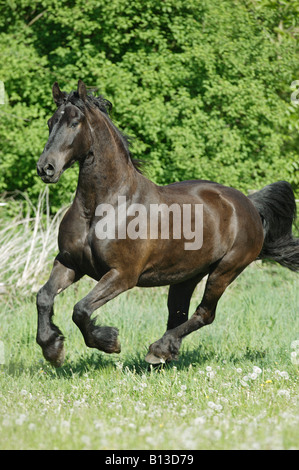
[49, 169]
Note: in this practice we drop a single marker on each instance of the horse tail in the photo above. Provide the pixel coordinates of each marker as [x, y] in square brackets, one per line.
[277, 208]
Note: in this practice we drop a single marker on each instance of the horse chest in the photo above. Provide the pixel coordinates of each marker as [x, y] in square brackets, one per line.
[75, 246]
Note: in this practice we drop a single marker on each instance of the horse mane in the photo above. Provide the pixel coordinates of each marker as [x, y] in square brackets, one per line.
[105, 106]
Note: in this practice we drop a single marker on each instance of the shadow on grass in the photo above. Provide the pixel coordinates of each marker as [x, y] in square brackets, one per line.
[135, 363]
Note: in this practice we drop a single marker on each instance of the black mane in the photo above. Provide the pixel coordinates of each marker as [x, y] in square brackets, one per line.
[92, 101]
[105, 107]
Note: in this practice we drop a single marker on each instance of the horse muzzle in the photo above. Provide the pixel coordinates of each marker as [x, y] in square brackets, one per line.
[47, 172]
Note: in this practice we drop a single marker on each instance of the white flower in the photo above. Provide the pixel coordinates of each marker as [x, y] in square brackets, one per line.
[65, 424]
[295, 357]
[200, 420]
[283, 393]
[239, 370]
[214, 406]
[85, 440]
[211, 374]
[245, 384]
[6, 421]
[284, 374]
[20, 420]
[208, 368]
[257, 370]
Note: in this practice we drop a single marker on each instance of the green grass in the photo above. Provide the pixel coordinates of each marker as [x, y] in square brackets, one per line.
[209, 399]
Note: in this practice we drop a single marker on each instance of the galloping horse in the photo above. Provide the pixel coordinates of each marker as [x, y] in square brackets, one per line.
[236, 230]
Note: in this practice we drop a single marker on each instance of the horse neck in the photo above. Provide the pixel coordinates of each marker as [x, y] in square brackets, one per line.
[107, 171]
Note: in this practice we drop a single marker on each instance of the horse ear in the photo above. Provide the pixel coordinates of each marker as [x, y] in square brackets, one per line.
[82, 92]
[58, 95]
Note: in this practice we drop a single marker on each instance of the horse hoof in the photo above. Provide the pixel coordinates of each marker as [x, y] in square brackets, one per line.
[152, 359]
[58, 361]
[117, 347]
[104, 338]
[55, 354]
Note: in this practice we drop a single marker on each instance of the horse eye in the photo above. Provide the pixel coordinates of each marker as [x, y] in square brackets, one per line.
[74, 124]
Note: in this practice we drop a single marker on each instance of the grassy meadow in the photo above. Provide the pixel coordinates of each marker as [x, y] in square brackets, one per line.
[235, 385]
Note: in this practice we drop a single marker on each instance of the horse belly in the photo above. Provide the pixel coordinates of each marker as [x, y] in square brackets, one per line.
[153, 278]
[174, 264]
[175, 261]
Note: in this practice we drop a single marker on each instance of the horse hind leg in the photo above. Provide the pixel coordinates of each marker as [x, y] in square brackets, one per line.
[223, 274]
[179, 296]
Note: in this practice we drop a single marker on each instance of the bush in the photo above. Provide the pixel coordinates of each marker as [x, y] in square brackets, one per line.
[203, 87]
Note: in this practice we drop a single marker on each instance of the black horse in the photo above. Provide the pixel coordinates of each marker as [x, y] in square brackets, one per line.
[234, 231]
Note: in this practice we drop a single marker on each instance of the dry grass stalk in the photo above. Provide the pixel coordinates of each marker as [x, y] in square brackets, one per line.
[28, 245]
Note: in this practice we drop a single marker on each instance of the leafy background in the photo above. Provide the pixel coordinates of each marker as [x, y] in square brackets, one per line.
[203, 87]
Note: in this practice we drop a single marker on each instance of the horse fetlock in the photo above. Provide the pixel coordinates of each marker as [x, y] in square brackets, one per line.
[79, 315]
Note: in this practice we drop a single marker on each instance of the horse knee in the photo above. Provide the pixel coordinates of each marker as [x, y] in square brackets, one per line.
[43, 298]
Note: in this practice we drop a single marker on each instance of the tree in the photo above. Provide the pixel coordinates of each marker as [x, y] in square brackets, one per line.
[203, 87]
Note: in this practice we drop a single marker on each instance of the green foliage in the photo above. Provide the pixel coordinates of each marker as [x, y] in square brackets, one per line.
[203, 87]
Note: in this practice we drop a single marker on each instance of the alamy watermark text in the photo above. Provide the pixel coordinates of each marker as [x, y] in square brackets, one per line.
[155, 221]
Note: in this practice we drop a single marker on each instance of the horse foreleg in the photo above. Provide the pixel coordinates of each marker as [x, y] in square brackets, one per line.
[49, 337]
[104, 338]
